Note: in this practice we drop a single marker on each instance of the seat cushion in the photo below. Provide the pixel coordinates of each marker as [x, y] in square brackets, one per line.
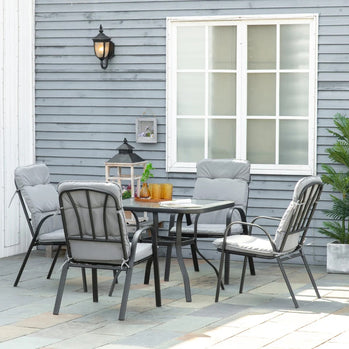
[105, 252]
[53, 236]
[246, 243]
[143, 250]
[208, 229]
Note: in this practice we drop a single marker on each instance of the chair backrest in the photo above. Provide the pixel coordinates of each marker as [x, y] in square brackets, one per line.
[94, 222]
[295, 222]
[222, 179]
[38, 196]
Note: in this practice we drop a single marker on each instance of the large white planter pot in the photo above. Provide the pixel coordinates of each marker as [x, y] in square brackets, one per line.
[337, 258]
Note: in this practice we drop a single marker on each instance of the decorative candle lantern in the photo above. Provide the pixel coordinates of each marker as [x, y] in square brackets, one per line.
[126, 159]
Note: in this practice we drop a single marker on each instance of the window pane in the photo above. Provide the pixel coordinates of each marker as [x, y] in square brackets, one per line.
[294, 92]
[222, 94]
[294, 46]
[189, 55]
[221, 139]
[293, 142]
[222, 47]
[261, 94]
[261, 41]
[190, 140]
[261, 141]
[191, 94]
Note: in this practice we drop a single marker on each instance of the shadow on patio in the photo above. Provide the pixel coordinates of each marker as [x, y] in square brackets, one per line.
[262, 317]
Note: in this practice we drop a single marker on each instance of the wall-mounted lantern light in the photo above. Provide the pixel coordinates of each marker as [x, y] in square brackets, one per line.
[104, 47]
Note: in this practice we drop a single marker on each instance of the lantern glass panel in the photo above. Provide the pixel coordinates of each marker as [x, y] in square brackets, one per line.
[102, 49]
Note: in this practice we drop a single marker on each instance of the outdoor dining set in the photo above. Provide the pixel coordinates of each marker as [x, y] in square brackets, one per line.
[87, 219]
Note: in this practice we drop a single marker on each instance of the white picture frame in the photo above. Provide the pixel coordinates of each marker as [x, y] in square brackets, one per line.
[146, 130]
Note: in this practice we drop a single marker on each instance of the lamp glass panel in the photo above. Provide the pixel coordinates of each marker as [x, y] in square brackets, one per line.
[190, 140]
[102, 49]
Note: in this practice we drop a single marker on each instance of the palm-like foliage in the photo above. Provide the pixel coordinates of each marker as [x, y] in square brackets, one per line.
[338, 228]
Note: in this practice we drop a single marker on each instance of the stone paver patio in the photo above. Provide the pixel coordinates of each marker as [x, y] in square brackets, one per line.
[262, 317]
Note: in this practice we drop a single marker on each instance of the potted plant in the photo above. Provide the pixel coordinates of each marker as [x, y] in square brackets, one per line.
[144, 192]
[338, 178]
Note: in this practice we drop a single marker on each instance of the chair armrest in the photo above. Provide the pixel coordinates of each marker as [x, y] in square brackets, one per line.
[229, 217]
[138, 233]
[266, 217]
[136, 238]
[37, 230]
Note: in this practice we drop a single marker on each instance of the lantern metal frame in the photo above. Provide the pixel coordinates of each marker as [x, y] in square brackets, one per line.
[102, 39]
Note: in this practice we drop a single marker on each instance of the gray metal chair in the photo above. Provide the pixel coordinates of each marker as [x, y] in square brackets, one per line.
[217, 179]
[95, 230]
[288, 240]
[39, 200]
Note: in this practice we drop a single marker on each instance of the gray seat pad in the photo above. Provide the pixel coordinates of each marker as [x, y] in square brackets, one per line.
[53, 236]
[246, 243]
[208, 229]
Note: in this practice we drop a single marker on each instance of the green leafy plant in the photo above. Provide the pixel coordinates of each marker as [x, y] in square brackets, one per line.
[338, 178]
[147, 172]
[126, 192]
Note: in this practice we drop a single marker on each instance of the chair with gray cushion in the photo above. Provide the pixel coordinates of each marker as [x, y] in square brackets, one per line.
[96, 235]
[217, 179]
[288, 240]
[39, 200]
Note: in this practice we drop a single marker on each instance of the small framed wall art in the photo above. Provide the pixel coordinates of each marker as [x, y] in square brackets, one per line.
[146, 130]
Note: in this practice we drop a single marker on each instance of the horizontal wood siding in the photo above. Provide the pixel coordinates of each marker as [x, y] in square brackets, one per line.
[83, 113]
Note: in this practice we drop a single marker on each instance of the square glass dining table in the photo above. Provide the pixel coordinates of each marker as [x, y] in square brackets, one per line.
[180, 209]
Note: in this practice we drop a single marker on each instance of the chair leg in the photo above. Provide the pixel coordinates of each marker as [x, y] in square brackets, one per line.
[147, 271]
[251, 264]
[168, 263]
[94, 285]
[287, 283]
[60, 289]
[125, 294]
[115, 281]
[227, 269]
[32, 244]
[243, 273]
[310, 274]
[54, 261]
[219, 277]
[84, 282]
[194, 256]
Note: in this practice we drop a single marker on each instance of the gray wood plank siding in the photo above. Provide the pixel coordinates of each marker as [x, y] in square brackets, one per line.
[83, 113]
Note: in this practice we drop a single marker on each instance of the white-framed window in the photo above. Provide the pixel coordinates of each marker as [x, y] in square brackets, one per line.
[244, 88]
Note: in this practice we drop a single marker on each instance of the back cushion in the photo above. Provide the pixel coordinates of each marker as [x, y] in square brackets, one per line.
[39, 195]
[31, 175]
[221, 189]
[224, 168]
[292, 240]
[108, 220]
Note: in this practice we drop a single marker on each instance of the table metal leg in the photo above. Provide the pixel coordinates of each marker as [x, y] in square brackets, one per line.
[180, 257]
[155, 259]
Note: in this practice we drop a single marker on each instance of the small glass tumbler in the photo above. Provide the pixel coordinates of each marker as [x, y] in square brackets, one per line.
[166, 191]
[156, 191]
